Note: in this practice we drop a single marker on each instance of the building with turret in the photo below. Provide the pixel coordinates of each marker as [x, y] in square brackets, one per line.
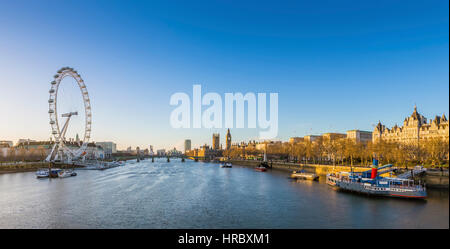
[415, 128]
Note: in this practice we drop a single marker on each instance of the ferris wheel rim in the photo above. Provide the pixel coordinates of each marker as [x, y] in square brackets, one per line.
[53, 113]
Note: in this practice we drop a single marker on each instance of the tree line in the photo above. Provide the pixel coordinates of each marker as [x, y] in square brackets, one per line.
[432, 152]
[22, 154]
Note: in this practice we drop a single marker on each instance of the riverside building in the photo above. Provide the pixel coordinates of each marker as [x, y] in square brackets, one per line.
[415, 128]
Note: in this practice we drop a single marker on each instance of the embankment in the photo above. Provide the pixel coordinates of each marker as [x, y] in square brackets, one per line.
[433, 179]
[17, 167]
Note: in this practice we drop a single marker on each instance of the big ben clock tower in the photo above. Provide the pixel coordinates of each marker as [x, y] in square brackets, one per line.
[228, 145]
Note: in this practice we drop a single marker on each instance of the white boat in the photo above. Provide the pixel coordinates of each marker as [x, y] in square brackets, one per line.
[66, 173]
[42, 173]
[226, 165]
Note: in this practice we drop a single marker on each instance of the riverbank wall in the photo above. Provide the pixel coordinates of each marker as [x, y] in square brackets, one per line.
[437, 179]
[433, 179]
[17, 167]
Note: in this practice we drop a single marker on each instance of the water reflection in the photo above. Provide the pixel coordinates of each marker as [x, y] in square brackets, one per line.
[202, 195]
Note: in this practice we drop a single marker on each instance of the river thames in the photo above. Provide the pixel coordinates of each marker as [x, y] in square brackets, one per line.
[202, 195]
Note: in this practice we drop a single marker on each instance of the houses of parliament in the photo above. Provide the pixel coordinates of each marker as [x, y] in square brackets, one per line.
[415, 129]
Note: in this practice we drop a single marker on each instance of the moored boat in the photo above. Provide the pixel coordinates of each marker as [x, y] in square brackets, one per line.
[54, 173]
[226, 165]
[42, 173]
[304, 175]
[263, 166]
[66, 173]
[261, 169]
[371, 183]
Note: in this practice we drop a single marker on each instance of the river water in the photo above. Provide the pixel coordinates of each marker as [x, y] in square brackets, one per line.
[202, 195]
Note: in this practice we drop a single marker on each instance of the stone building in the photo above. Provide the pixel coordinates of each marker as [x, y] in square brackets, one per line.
[7, 142]
[332, 136]
[109, 148]
[204, 153]
[4, 150]
[216, 141]
[311, 138]
[295, 140]
[359, 136]
[415, 128]
[267, 145]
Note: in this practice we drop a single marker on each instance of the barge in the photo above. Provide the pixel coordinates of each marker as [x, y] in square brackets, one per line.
[372, 183]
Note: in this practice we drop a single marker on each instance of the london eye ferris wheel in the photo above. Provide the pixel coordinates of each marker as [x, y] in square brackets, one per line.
[60, 149]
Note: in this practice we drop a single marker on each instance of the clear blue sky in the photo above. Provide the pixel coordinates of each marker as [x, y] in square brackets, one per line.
[337, 65]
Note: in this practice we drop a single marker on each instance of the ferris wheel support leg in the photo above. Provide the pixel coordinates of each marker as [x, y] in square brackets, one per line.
[49, 157]
[66, 125]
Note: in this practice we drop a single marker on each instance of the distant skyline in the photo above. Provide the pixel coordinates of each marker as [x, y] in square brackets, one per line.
[336, 66]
